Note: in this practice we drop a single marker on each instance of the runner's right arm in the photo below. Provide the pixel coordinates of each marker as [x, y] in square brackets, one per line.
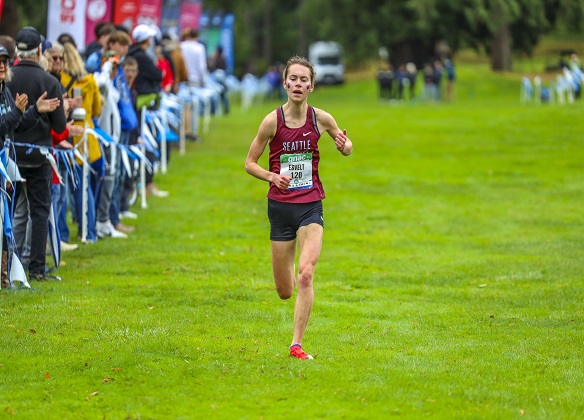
[265, 133]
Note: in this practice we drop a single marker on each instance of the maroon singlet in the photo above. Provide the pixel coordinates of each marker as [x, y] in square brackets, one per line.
[296, 145]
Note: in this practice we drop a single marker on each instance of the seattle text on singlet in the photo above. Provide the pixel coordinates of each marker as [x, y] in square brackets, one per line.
[294, 152]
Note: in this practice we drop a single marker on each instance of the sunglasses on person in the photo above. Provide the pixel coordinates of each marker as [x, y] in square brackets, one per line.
[4, 61]
[57, 57]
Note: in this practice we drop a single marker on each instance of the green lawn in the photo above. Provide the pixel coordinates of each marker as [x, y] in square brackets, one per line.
[450, 282]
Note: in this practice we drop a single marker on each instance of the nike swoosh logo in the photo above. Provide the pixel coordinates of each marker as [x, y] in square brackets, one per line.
[306, 134]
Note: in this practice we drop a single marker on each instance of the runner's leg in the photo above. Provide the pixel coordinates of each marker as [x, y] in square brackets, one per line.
[310, 245]
[283, 255]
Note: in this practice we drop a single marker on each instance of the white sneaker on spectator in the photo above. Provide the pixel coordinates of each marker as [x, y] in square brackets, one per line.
[103, 229]
[154, 191]
[116, 233]
[128, 215]
[68, 247]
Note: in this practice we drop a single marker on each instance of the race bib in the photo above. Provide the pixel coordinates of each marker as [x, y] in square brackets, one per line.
[297, 166]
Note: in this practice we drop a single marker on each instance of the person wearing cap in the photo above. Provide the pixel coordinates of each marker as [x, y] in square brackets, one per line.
[15, 114]
[31, 80]
[148, 85]
[149, 78]
[8, 42]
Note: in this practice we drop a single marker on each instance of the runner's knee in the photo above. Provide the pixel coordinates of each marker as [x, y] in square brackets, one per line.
[305, 276]
[285, 292]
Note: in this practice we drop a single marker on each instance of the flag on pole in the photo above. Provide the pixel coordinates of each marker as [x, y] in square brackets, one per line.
[54, 237]
[17, 271]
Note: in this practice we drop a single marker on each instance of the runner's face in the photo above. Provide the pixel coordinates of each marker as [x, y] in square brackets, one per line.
[298, 83]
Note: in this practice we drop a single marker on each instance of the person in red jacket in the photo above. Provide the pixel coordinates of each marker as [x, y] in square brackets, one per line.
[164, 65]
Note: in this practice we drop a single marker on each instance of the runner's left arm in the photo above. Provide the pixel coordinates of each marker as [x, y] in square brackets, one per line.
[328, 124]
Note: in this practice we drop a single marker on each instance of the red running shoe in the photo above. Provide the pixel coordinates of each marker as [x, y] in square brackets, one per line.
[297, 352]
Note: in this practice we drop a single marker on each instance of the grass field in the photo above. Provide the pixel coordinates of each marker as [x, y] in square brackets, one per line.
[449, 286]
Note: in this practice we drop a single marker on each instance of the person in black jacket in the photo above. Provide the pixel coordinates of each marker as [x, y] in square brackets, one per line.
[14, 112]
[149, 79]
[14, 115]
[34, 144]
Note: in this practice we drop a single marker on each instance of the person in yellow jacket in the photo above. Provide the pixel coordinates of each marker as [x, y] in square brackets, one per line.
[79, 83]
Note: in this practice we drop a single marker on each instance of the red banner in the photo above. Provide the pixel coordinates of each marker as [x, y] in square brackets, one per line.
[149, 12]
[190, 14]
[126, 13]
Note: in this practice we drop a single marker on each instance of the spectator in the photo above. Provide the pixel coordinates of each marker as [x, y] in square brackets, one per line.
[31, 80]
[217, 61]
[119, 42]
[274, 80]
[148, 86]
[173, 51]
[8, 42]
[56, 53]
[401, 77]
[450, 79]
[149, 79]
[429, 82]
[61, 191]
[130, 130]
[76, 80]
[412, 75]
[195, 57]
[14, 115]
[93, 61]
[165, 67]
[97, 43]
[66, 38]
[438, 74]
[110, 122]
[218, 66]
[385, 79]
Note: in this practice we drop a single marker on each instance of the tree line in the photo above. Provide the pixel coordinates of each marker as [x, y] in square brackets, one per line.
[267, 31]
[270, 30]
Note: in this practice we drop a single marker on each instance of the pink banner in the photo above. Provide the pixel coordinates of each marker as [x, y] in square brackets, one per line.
[97, 11]
[149, 12]
[190, 14]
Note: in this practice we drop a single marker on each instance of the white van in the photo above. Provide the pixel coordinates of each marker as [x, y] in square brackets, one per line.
[327, 58]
